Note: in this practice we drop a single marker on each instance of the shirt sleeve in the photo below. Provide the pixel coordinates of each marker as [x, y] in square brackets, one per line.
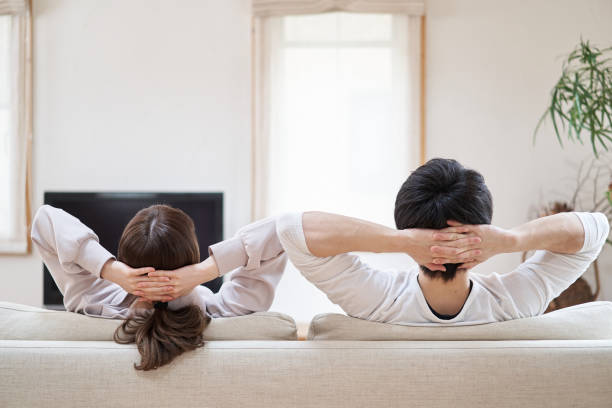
[253, 261]
[545, 275]
[67, 246]
[361, 291]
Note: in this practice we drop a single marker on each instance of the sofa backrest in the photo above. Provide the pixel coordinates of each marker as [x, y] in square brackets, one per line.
[21, 322]
[588, 321]
[330, 374]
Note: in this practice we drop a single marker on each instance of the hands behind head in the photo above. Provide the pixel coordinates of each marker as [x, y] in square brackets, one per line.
[175, 283]
[126, 277]
[467, 245]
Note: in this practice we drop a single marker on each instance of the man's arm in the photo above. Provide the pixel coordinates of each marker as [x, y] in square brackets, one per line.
[562, 233]
[317, 244]
[331, 234]
[566, 244]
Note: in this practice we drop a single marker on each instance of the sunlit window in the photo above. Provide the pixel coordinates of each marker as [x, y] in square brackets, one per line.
[337, 125]
[5, 122]
[339, 138]
[15, 88]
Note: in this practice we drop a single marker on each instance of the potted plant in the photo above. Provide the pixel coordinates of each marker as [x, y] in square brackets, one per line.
[581, 100]
[581, 104]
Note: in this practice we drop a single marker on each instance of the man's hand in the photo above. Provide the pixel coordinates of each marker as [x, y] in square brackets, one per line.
[179, 281]
[493, 241]
[434, 247]
[126, 277]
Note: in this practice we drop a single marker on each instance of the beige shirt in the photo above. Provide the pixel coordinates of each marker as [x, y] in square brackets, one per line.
[252, 261]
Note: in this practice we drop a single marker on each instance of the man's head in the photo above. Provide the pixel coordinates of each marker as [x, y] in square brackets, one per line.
[159, 236]
[438, 191]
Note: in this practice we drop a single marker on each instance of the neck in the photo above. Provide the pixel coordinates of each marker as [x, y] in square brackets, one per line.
[448, 297]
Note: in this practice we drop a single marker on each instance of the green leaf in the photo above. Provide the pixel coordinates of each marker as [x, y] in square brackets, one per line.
[601, 141]
[535, 132]
[581, 99]
[554, 121]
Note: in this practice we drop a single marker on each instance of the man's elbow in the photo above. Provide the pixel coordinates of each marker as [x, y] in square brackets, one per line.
[604, 224]
[590, 235]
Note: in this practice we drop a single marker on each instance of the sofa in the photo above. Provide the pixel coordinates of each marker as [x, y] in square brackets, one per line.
[561, 359]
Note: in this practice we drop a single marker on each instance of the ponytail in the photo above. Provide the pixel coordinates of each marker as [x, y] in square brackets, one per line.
[162, 334]
[164, 238]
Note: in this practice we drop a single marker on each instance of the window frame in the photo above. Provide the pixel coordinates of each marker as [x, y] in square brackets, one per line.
[23, 11]
[258, 146]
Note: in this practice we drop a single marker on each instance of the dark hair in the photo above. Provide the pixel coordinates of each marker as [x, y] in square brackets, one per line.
[441, 190]
[164, 238]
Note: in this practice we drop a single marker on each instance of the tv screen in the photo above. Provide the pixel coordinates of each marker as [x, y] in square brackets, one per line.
[108, 213]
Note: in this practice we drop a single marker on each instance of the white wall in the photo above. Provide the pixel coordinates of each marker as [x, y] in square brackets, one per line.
[138, 95]
[490, 68]
[144, 95]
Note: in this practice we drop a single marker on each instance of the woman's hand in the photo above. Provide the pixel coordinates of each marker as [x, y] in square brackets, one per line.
[434, 247]
[494, 240]
[179, 281]
[126, 277]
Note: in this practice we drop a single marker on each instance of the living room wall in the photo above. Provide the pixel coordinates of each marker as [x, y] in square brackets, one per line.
[155, 95]
[138, 95]
[490, 68]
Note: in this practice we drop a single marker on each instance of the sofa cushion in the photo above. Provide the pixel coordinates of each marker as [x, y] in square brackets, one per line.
[21, 322]
[588, 321]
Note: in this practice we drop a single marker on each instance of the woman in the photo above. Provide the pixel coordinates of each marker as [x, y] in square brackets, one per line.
[172, 311]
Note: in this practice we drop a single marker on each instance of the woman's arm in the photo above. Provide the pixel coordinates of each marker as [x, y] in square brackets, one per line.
[74, 256]
[63, 240]
[254, 262]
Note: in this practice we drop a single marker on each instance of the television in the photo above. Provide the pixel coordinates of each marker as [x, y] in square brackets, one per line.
[107, 213]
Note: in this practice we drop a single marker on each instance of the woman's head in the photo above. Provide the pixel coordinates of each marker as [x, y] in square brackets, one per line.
[164, 238]
[161, 237]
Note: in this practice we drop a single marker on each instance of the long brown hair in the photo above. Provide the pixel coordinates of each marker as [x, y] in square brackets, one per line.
[164, 238]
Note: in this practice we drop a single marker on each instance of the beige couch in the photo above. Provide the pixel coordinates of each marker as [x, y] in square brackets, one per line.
[51, 359]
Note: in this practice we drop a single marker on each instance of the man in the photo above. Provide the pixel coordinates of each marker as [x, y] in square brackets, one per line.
[442, 212]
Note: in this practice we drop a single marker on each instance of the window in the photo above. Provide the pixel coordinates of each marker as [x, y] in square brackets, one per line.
[14, 125]
[4, 115]
[337, 123]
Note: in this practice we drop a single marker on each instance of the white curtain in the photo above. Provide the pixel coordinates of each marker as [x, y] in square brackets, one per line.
[15, 132]
[13, 7]
[336, 121]
[267, 8]
[387, 125]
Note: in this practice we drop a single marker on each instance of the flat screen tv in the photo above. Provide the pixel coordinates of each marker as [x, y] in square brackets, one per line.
[108, 213]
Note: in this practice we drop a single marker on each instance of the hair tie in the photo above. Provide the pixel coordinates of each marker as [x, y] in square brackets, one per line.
[160, 305]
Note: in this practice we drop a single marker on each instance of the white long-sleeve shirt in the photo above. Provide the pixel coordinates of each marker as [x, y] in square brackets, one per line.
[257, 256]
[396, 297]
[75, 258]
